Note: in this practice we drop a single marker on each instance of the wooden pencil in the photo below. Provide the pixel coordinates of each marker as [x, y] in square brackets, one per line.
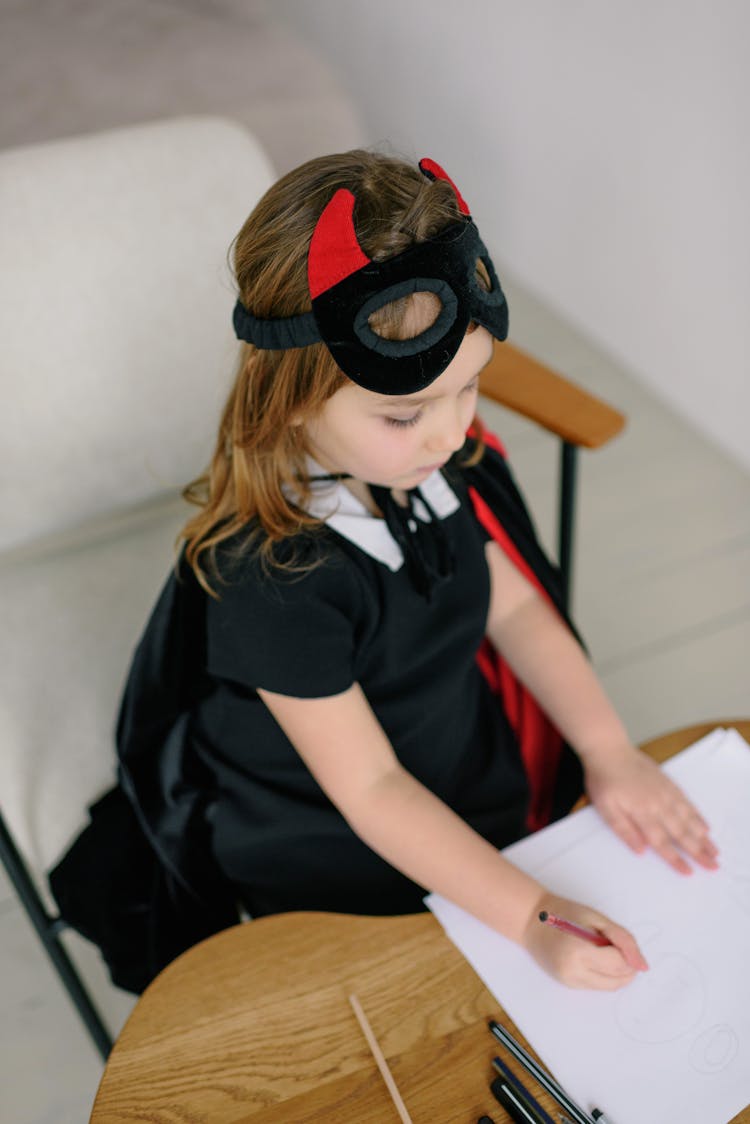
[377, 1053]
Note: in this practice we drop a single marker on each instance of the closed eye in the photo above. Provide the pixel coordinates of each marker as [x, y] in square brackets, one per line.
[402, 422]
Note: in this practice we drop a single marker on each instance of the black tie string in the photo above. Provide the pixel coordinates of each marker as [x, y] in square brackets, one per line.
[425, 546]
[427, 552]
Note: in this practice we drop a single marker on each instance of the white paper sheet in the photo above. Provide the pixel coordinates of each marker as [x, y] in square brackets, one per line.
[673, 1045]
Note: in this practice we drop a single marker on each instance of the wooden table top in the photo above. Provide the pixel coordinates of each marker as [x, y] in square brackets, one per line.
[255, 1024]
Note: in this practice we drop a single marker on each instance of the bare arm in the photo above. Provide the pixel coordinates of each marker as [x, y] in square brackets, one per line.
[637, 799]
[348, 753]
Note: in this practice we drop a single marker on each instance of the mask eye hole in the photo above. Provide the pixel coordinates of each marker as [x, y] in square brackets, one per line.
[484, 282]
[422, 312]
[407, 317]
[483, 275]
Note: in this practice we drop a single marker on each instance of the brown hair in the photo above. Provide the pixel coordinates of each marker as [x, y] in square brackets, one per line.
[259, 459]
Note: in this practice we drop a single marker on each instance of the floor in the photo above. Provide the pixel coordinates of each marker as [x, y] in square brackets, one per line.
[661, 593]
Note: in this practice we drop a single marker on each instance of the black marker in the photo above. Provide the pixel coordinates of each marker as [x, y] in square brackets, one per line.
[530, 1102]
[519, 1111]
[545, 1079]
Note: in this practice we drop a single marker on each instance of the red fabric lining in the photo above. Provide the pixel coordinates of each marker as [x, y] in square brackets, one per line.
[539, 741]
[334, 251]
[430, 167]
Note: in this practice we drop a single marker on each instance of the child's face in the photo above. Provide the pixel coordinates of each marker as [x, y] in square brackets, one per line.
[397, 442]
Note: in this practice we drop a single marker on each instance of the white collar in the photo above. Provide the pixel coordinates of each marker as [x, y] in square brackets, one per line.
[332, 502]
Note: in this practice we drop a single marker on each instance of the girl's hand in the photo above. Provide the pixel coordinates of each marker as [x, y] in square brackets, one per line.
[646, 809]
[576, 962]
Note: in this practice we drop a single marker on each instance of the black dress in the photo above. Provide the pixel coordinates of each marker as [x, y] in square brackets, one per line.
[226, 804]
[350, 618]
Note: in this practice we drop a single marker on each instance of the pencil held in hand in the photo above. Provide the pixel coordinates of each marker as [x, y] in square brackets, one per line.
[590, 935]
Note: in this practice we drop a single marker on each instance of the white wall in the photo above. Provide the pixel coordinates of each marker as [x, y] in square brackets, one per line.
[604, 147]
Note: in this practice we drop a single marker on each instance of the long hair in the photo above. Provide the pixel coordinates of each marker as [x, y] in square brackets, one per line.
[256, 479]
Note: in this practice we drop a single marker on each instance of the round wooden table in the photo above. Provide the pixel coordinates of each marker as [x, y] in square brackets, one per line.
[254, 1024]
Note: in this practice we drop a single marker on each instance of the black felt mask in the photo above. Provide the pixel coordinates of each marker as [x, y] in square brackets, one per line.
[347, 287]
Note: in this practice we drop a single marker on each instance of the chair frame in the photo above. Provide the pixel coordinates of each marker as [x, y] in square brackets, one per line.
[512, 379]
[522, 384]
[49, 927]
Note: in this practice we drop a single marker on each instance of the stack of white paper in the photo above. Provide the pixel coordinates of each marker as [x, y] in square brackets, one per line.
[673, 1045]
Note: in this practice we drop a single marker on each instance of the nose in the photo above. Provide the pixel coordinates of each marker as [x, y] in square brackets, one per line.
[449, 430]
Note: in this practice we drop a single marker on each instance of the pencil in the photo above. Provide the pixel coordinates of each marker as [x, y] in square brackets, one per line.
[377, 1053]
[590, 935]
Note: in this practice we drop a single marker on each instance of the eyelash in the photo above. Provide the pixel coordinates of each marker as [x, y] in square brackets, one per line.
[403, 423]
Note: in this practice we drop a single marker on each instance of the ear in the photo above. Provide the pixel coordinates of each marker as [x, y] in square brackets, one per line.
[433, 171]
[334, 251]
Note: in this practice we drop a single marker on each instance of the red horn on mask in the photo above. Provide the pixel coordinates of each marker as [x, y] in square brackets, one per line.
[334, 251]
[433, 171]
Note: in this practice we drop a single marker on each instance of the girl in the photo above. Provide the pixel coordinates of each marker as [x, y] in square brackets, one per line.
[358, 686]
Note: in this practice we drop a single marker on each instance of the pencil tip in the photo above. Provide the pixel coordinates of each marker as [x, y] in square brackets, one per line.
[543, 915]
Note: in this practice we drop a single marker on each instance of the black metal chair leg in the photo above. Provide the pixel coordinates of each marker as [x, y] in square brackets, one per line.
[568, 470]
[48, 929]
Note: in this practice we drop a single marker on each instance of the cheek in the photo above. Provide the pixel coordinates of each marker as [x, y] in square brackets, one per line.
[400, 440]
[389, 451]
[380, 447]
[470, 409]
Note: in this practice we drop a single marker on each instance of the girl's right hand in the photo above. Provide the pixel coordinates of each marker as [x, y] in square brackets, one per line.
[574, 961]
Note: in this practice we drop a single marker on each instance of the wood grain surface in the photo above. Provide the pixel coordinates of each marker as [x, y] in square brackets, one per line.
[523, 384]
[255, 1025]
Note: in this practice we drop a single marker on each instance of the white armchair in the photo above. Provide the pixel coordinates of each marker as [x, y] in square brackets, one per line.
[117, 349]
[116, 354]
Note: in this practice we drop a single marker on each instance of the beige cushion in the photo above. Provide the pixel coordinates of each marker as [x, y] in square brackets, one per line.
[115, 303]
[70, 617]
[115, 306]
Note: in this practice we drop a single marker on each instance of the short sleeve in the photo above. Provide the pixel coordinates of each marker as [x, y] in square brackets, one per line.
[288, 632]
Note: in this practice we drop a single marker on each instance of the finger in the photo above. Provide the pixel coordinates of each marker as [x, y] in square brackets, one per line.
[698, 820]
[616, 974]
[660, 841]
[627, 830]
[701, 849]
[609, 983]
[605, 970]
[691, 834]
[640, 836]
[672, 856]
[689, 810]
[625, 945]
[708, 856]
[689, 819]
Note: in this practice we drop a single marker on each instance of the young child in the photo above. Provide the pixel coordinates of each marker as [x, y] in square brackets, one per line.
[359, 684]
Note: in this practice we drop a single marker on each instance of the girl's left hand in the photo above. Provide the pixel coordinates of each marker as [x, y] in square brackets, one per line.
[646, 809]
